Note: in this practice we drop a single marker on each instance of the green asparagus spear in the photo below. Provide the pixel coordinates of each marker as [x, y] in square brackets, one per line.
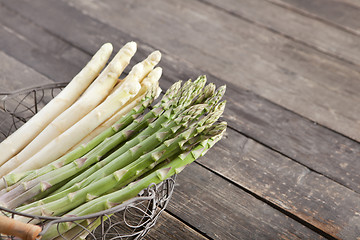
[132, 190]
[27, 189]
[83, 149]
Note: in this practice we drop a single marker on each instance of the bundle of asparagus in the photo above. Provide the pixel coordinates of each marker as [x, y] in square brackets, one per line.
[103, 167]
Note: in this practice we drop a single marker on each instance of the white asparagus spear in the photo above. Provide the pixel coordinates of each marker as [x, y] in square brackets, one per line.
[144, 68]
[20, 138]
[78, 131]
[92, 97]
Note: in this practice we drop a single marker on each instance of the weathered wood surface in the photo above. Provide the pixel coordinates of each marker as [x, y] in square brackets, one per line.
[344, 14]
[247, 55]
[224, 211]
[168, 227]
[310, 196]
[13, 74]
[282, 175]
[296, 26]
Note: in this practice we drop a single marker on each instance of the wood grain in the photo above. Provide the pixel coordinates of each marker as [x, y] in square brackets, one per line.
[343, 14]
[15, 75]
[309, 31]
[287, 184]
[168, 227]
[50, 56]
[306, 142]
[275, 67]
[223, 211]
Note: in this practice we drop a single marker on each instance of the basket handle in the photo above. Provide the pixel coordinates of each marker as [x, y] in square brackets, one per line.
[25, 231]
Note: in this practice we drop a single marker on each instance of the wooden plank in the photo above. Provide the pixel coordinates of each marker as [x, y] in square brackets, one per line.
[306, 194]
[275, 67]
[15, 75]
[28, 31]
[49, 56]
[168, 227]
[310, 144]
[330, 40]
[223, 211]
[343, 14]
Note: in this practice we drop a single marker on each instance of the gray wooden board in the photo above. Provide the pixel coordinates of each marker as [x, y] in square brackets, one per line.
[14, 75]
[344, 14]
[54, 46]
[312, 32]
[289, 185]
[168, 227]
[223, 211]
[36, 51]
[291, 74]
[177, 69]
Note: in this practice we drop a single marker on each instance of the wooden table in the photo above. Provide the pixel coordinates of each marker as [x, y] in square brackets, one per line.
[289, 165]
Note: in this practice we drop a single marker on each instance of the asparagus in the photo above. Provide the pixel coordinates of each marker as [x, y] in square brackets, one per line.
[166, 102]
[170, 147]
[78, 165]
[175, 166]
[18, 140]
[170, 127]
[140, 70]
[96, 186]
[106, 109]
[82, 229]
[171, 102]
[206, 93]
[123, 176]
[145, 102]
[173, 134]
[92, 97]
[19, 195]
[136, 126]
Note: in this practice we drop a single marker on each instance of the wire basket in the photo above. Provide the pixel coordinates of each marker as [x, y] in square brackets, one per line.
[129, 220]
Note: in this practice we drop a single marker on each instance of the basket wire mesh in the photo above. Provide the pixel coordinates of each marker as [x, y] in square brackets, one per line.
[129, 220]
